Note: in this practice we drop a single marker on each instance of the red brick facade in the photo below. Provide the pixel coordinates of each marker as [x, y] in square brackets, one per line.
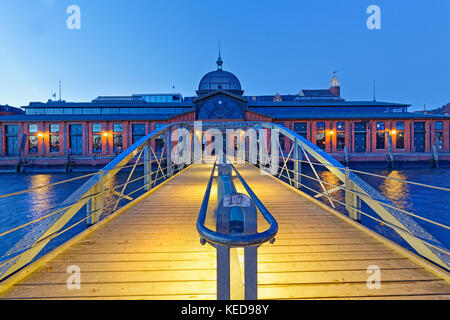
[330, 135]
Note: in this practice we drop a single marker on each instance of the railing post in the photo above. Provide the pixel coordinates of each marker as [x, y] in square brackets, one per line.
[297, 164]
[352, 200]
[147, 167]
[250, 256]
[95, 205]
[169, 152]
[274, 153]
[192, 146]
[223, 257]
[247, 147]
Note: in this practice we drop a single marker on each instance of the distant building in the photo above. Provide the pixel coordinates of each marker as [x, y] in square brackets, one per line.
[445, 110]
[8, 110]
[97, 130]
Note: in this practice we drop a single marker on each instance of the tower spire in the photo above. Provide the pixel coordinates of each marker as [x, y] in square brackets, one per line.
[219, 60]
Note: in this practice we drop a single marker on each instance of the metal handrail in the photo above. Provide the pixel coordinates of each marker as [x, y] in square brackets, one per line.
[381, 220]
[342, 187]
[235, 240]
[7, 195]
[370, 174]
[358, 189]
[92, 190]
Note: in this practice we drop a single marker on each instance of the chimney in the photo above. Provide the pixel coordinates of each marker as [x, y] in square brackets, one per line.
[335, 86]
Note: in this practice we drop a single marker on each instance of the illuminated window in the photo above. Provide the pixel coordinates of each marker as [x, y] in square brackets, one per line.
[118, 143]
[400, 135]
[340, 135]
[54, 143]
[381, 136]
[320, 135]
[33, 144]
[97, 143]
[118, 137]
[54, 137]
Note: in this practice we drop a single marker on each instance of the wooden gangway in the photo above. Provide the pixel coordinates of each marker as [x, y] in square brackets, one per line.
[152, 251]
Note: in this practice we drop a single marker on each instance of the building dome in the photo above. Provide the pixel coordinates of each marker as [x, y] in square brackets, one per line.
[219, 80]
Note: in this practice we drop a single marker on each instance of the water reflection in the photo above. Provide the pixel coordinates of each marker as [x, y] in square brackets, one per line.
[331, 181]
[396, 191]
[41, 199]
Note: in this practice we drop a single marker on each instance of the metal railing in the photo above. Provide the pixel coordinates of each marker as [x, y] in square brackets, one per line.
[228, 236]
[98, 197]
[356, 190]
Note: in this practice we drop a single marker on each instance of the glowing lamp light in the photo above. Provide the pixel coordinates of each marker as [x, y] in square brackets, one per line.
[40, 135]
[331, 132]
[105, 134]
[394, 131]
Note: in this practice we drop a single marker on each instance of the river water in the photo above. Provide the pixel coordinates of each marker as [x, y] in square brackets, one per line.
[430, 203]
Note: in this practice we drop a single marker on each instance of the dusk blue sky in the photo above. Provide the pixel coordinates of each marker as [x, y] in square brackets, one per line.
[137, 46]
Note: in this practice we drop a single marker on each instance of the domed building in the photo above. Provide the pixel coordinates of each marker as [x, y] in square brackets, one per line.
[220, 95]
[102, 128]
[219, 80]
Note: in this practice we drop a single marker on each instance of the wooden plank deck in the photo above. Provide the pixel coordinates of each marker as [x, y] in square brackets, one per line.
[152, 251]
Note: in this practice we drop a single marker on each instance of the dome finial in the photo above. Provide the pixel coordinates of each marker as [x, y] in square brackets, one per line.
[219, 60]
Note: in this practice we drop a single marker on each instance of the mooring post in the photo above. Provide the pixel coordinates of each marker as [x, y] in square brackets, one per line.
[435, 157]
[391, 154]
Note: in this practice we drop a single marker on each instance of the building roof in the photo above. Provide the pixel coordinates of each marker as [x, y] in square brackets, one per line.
[88, 117]
[353, 115]
[107, 104]
[227, 93]
[10, 109]
[219, 80]
[312, 103]
[316, 93]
